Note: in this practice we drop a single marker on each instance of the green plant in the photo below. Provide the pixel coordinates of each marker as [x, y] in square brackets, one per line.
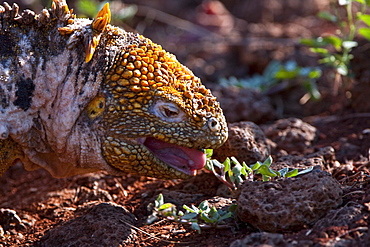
[306, 76]
[275, 73]
[201, 217]
[231, 172]
[335, 49]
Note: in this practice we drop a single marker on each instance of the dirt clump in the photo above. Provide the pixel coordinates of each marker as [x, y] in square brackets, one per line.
[288, 204]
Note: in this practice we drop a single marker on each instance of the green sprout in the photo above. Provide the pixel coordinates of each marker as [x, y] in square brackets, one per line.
[232, 173]
[335, 49]
[277, 72]
[201, 217]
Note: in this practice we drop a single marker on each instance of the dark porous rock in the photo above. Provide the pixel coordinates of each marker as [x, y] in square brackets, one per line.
[246, 142]
[291, 134]
[102, 225]
[288, 204]
[261, 239]
[348, 217]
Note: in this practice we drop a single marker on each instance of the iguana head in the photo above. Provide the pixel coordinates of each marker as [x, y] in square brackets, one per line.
[157, 116]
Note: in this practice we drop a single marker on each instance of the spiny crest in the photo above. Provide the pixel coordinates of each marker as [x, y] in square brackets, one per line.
[59, 11]
[98, 25]
[9, 12]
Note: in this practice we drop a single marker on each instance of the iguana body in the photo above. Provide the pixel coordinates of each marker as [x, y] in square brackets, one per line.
[78, 96]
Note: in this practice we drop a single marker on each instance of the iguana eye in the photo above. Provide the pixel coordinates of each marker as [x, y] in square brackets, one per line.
[168, 111]
[213, 124]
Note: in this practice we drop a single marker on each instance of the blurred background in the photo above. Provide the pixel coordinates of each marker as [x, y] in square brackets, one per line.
[255, 55]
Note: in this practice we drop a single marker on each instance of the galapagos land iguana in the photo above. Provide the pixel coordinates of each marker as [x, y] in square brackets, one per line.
[80, 95]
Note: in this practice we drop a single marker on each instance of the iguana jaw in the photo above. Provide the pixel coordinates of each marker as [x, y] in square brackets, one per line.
[183, 159]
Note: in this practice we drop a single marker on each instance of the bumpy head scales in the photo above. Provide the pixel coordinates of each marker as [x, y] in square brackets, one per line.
[158, 114]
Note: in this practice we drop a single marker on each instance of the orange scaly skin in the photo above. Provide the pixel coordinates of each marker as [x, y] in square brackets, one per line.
[78, 96]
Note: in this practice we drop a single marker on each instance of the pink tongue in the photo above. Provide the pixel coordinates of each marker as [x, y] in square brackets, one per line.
[181, 158]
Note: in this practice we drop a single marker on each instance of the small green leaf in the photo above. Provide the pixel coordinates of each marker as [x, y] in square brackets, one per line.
[233, 207]
[195, 209]
[308, 42]
[195, 226]
[328, 60]
[214, 213]
[206, 218]
[342, 69]
[318, 42]
[312, 89]
[209, 153]
[318, 50]
[265, 178]
[225, 216]
[159, 201]
[292, 173]
[227, 164]
[209, 166]
[333, 40]
[189, 209]
[315, 74]
[235, 161]
[166, 206]
[247, 169]
[327, 16]
[204, 206]
[285, 74]
[244, 171]
[307, 170]
[232, 179]
[365, 32]
[189, 216]
[237, 169]
[283, 171]
[266, 171]
[268, 161]
[364, 18]
[218, 164]
[256, 166]
[238, 179]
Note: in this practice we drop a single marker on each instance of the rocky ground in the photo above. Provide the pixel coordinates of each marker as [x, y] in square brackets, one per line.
[326, 207]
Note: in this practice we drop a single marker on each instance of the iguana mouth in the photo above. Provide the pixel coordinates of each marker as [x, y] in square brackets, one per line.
[186, 160]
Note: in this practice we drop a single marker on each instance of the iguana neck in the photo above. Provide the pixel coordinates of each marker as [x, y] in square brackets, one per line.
[44, 83]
